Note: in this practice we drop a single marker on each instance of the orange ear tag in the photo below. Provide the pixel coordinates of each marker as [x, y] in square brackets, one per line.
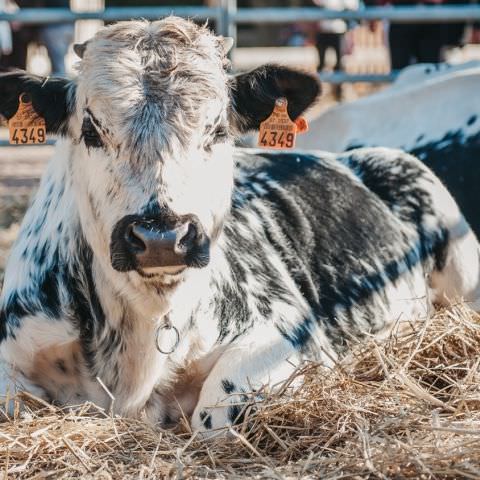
[26, 127]
[278, 131]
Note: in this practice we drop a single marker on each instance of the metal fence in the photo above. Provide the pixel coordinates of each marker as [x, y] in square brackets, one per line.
[227, 16]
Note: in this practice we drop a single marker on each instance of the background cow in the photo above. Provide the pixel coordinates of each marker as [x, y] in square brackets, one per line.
[149, 265]
[431, 111]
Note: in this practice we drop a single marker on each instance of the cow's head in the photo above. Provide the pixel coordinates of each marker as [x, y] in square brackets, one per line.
[150, 122]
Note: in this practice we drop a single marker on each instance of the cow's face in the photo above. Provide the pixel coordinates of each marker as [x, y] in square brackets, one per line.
[151, 120]
[153, 143]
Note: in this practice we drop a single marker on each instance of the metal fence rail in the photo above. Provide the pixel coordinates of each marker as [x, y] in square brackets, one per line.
[342, 77]
[59, 15]
[411, 14]
[227, 14]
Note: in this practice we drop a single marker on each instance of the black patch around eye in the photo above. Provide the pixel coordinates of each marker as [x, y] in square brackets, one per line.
[90, 135]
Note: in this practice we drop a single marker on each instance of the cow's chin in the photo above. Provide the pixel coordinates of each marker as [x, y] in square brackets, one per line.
[168, 276]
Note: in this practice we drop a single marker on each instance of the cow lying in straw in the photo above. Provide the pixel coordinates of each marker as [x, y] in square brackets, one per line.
[151, 268]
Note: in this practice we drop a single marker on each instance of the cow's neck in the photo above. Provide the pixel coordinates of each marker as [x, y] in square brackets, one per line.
[132, 314]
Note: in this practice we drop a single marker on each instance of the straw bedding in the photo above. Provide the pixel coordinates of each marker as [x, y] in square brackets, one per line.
[407, 407]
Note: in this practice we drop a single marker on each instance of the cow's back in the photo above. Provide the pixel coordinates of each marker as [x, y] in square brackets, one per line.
[405, 117]
[341, 242]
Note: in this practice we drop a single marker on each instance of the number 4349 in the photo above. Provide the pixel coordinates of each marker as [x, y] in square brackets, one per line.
[277, 139]
[28, 135]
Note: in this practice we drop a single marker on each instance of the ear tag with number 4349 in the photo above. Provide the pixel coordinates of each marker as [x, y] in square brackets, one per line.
[279, 131]
[26, 127]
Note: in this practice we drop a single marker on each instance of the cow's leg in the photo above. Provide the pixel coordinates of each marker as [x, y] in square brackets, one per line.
[264, 356]
[13, 382]
[44, 357]
[243, 368]
[457, 275]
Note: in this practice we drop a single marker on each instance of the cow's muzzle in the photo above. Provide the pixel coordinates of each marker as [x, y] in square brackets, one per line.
[140, 243]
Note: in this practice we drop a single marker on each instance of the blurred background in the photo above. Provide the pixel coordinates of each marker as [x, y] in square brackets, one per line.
[328, 45]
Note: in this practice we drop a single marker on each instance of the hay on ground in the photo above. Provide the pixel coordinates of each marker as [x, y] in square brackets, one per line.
[405, 408]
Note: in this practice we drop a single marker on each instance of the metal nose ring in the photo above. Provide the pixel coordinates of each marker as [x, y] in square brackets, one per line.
[159, 342]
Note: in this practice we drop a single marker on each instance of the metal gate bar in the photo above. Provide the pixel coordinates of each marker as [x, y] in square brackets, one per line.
[232, 15]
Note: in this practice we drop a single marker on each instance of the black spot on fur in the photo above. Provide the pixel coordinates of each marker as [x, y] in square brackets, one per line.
[48, 292]
[168, 421]
[60, 364]
[3, 325]
[206, 419]
[153, 209]
[228, 386]
[40, 297]
[85, 307]
[234, 414]
[472, 120]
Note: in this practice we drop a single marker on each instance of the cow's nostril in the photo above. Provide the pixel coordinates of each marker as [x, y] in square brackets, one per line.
[134, 241]
[188, 240]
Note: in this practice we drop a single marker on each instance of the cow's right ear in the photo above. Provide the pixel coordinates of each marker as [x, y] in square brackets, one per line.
[52, 98]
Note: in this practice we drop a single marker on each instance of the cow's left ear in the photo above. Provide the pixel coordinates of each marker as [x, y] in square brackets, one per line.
[52, 98]
[253, 94]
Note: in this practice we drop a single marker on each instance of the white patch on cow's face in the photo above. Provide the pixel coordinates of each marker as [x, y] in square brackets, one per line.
[151, 129]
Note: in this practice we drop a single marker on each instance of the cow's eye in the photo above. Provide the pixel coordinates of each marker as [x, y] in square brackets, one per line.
[90, 135]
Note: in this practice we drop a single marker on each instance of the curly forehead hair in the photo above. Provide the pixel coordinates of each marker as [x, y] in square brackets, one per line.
[169, 37]
[154, 71]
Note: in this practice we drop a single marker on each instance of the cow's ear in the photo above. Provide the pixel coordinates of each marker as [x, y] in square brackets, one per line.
[52, 98]
[253, 94]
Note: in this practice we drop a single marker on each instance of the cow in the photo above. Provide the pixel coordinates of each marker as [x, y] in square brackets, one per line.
[431, 111]
[162, 273]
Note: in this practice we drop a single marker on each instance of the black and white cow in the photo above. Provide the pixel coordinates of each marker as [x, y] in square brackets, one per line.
[181, 274]
[431, 111]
